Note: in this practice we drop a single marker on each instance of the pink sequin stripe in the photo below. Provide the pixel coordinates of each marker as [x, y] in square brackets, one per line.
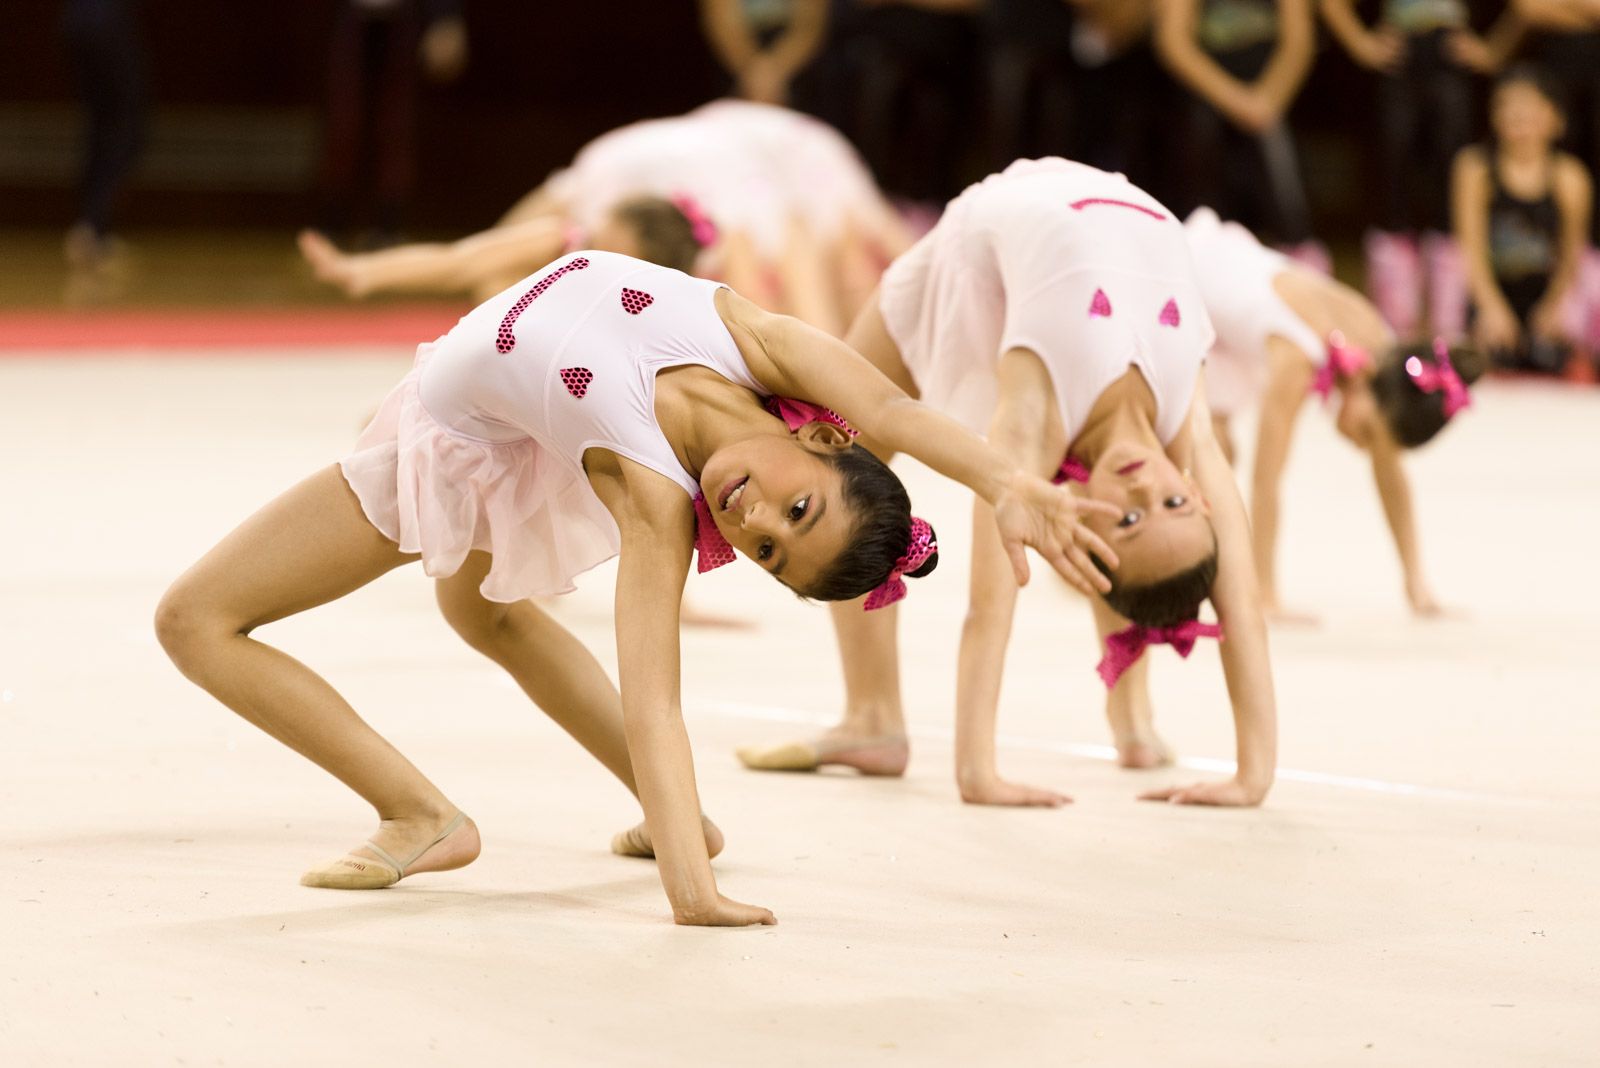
[1089, 202]
[505, 340]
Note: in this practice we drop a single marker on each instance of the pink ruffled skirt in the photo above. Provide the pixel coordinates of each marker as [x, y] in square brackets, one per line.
[442, 494]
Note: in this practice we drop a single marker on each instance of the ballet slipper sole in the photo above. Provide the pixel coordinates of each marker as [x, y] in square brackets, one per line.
[351, 872]
[790, 756]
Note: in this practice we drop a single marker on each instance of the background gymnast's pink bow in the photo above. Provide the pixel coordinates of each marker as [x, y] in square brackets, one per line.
[700, 224]
[1440, 376]
[1344, 360]
[1126, 646]
[893, 589]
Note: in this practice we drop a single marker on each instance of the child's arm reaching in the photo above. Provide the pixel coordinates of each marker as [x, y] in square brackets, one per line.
[1288, 378]
[796, 360]
[1244, 646]
[657, 526]
[1394, 490]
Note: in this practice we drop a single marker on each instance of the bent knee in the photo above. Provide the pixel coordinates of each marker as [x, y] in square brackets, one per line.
[482, 624]
[185, 625]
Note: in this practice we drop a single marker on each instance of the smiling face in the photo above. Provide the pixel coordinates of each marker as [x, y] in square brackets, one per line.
[1165, 525]
[779, 501]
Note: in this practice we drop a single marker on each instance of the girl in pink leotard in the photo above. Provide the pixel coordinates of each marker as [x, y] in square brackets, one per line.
[1056, 307]
[605, 407]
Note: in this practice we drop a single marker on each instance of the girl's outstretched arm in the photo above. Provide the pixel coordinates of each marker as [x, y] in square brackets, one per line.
[796, 360]
[1244, 647]
[657, 524]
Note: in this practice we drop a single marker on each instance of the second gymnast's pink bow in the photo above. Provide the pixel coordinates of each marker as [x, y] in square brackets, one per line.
[701, 227]
[923, 545]
[1125, 647]
[1432, 378]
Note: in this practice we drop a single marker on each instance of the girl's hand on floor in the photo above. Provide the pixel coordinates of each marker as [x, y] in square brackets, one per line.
[725, 913]
[1230, 794]
[1033, 512]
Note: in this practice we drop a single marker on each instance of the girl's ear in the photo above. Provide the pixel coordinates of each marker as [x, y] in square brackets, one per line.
[824, 434]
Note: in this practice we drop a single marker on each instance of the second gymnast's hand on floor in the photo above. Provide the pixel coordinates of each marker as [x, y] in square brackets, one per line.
[1231, 793]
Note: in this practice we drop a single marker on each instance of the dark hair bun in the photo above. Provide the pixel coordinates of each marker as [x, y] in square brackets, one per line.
[930, 563]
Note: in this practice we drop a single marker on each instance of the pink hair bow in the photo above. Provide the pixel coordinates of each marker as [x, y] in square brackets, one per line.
[1344, 360]
[1072, 470]
[700, 224]
[923, 545]
[1126, 646]
[797, 413]
[1440, 376]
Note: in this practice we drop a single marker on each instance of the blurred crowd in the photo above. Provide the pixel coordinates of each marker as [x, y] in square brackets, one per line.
[1484, 131]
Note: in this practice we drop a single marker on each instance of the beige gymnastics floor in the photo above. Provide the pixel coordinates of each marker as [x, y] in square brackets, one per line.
[1419, 889]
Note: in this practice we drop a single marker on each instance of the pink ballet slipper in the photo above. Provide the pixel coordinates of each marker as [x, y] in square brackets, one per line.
[1447, 285]
[1310, 253]
[1394, 278]
[1584, 304]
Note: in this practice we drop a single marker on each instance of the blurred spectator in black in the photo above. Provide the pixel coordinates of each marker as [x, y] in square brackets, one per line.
[1030, 71]
[1428, 57]
[1242, 63]
[379, 46]
[108, 62]
[913, 61]
[1522, 211]
[765, 44]
[1566, 48]
[1124, 97]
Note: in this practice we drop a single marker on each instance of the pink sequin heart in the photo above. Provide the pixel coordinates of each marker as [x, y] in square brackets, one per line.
[577, 380]
[634, 302]
[1169, 314]
[1100, 306]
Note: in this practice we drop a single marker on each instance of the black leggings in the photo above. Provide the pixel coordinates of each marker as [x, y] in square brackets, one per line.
[914, 71]
[1425, 116]
[1251, 178]
[109, 65]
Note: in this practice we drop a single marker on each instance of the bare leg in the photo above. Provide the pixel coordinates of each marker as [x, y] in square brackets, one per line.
[556, 671]
[309, 546]
[1222, 430]
[871, 738]
[809, 292]
[1128, 708]
[481, 264]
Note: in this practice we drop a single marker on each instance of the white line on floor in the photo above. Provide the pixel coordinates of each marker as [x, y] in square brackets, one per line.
[773, 714]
